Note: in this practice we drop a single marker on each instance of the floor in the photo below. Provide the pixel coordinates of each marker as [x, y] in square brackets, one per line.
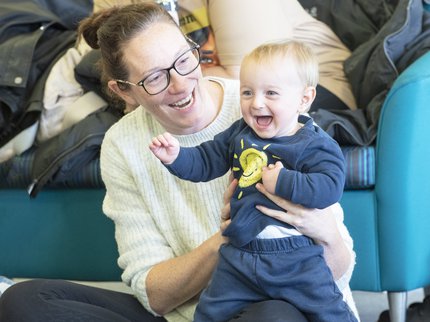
[369, 305]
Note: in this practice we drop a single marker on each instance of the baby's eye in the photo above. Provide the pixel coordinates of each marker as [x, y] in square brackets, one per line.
[246, 93]
[271, 93]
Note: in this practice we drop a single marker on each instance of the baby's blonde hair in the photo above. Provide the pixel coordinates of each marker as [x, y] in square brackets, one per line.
[303, 56]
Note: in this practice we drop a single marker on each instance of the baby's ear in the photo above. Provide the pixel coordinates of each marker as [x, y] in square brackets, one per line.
[308, 97]
[122, 93]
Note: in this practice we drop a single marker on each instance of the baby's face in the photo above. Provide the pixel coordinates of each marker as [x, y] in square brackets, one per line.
[271, 97]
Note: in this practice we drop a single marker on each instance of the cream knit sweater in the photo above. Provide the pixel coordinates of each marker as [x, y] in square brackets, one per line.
[158, 216]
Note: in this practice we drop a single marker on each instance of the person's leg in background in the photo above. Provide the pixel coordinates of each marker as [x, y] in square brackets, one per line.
[241, 25]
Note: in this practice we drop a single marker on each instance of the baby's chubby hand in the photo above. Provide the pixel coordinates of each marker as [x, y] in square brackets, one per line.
[270, 176]
[165, 147]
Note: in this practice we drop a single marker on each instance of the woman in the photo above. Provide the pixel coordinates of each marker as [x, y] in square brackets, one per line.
[167, 230]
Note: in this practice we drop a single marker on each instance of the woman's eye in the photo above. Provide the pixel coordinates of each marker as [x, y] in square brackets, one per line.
[183, 62]
[154, 78]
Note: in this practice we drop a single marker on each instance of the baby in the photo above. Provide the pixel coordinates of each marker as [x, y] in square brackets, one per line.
[275, 144]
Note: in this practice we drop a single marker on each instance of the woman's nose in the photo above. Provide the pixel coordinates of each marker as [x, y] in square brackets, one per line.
[177, 82]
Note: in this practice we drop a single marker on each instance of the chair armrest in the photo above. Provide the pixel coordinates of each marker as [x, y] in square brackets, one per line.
[403, 179]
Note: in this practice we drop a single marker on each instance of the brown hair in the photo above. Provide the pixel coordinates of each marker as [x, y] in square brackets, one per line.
[110, 29]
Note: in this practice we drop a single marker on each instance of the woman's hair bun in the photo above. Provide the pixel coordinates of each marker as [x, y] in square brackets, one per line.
[89, 26]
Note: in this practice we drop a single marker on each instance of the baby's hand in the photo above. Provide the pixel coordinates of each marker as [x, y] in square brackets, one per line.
[165, 147]
[270, 176]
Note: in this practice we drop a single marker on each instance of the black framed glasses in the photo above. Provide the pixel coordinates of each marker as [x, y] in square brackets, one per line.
[159, 80]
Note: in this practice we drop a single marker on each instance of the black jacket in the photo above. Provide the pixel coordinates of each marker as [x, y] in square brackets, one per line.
[64, 155]
[32, 38]
[385, 37]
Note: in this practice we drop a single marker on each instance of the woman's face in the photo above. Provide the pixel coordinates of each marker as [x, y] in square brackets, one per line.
[183, 107]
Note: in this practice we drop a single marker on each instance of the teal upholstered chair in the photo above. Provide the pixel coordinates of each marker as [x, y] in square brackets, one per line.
[390, 223]
[63, 233]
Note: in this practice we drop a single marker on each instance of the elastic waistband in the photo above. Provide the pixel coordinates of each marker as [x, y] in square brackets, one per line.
[277, 244]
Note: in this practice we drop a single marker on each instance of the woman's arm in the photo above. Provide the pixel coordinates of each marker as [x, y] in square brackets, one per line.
[172, 282]
[159, 278]
[319, 224]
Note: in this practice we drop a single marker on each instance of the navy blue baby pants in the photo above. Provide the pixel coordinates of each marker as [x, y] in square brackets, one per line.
[292, 269]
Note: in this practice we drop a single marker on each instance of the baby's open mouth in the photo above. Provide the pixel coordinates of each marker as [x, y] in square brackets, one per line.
[264, 120]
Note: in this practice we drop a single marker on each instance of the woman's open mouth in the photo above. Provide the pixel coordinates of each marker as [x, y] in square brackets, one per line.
[183, 103]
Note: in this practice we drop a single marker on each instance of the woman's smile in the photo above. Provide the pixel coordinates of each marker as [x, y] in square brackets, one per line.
[183, 103]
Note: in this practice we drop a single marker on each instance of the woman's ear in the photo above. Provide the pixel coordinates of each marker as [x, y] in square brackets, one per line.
[124, 94]
[308, 97]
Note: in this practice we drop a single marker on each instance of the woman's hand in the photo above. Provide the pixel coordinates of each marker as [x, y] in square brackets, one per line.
[319, 224]
[225, 211]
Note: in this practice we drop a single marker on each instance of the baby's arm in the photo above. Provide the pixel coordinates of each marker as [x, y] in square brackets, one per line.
[318, 177]
[165, 147]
